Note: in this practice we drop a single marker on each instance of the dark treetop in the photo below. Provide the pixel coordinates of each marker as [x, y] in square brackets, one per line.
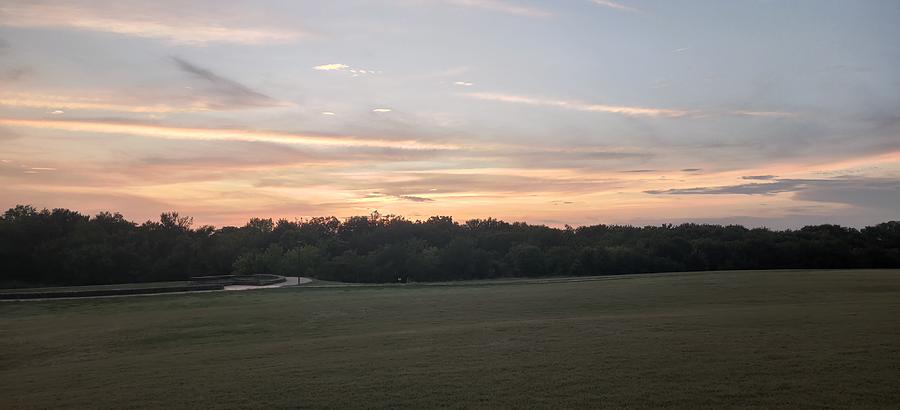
[63, 247]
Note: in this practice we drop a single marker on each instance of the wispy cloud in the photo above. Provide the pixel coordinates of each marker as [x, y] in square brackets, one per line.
[463, 83]
[414, 198]
[411, 198]
[169, 24]
[101, 101]
[331, 67]
[633, 111]
[613, 5]
[769, 188]
[503, 7]
[211, 92]
[382, 110]
[15, 74]
[219, 134]
[229, 93]
[862, 191]
[355, 72]
[765, 114]
[457, 183]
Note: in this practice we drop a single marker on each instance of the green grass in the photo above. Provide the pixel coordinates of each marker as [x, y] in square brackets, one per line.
[789, 339]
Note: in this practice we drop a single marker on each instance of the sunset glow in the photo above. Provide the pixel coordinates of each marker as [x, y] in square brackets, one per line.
[576, 112]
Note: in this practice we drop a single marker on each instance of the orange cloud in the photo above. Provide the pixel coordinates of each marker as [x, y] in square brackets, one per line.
[217, 134]
[181, 28]
[108, 103]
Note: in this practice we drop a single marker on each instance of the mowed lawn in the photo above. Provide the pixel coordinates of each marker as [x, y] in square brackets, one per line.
[788, 339]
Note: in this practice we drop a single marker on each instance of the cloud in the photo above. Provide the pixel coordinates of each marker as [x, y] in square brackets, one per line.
[103, 101]
[691, 169]
[631, 111]
[172, 24]
[15, 74]
[382, 110]
[883, 193]
[365, 148]
[355, 72]
[328, 113]
[759, 177]
[230, 94]
[499, 183]
[185, 162]
[414, 198]
[772, 188]
[769, 114]
[581, 158]
[503, 7]
[331, 67]
[411, 198]
[219, 134]
[214, 93]
[463, 83]
[865, 192]
[613, 5]
[192, 158]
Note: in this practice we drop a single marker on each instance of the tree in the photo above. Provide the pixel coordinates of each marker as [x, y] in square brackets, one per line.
[65, 247]
[528, 260]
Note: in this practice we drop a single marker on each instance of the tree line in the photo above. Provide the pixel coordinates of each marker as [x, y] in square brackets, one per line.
[64, 247]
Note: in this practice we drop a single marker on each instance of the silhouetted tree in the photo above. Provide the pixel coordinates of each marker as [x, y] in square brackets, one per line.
[63, 247]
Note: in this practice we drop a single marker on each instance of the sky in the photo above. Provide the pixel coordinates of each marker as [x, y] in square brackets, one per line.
[579, 112]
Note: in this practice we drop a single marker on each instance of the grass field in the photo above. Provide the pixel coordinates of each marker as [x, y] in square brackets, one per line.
[788, 339]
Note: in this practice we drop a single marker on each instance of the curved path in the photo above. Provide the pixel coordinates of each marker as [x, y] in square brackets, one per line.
[289, 281]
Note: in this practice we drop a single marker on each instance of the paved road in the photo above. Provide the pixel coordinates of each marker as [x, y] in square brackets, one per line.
[289, 281]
